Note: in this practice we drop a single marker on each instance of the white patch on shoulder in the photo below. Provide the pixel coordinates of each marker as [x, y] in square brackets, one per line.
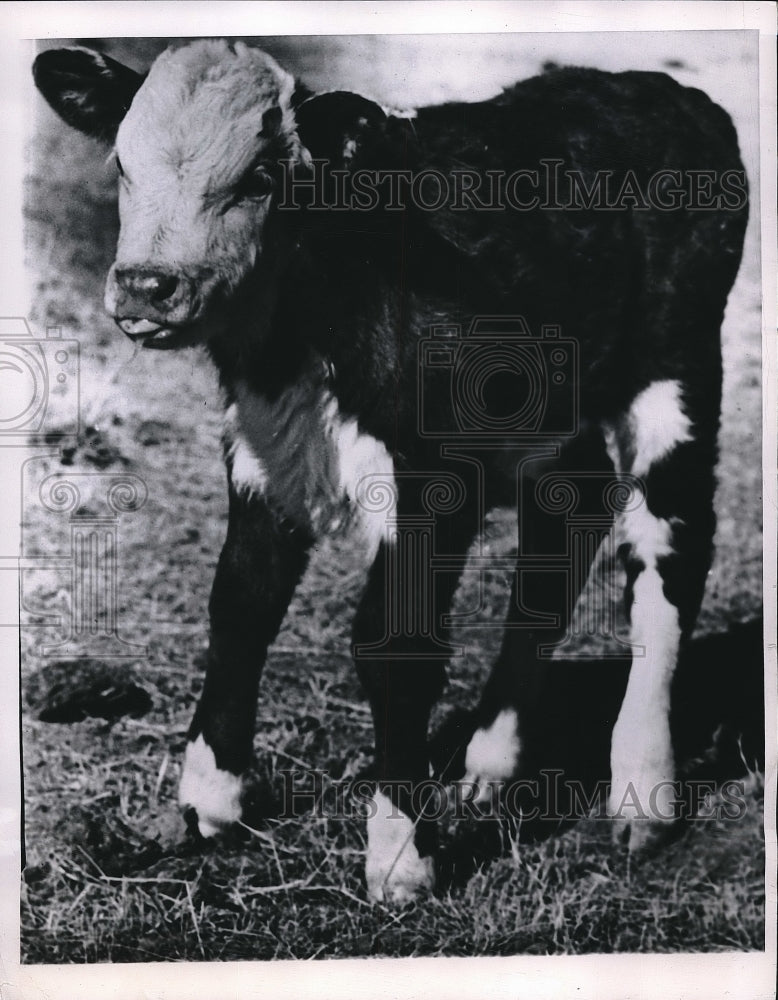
[394, 871]
[364, 468]
[493, 753]
[658, 424]
[214, 794]
[313, 464]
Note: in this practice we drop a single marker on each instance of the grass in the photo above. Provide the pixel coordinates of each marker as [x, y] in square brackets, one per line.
[111, 875]
[292, 888]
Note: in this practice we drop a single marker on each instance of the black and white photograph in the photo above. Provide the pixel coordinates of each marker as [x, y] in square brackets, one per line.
[384, 434]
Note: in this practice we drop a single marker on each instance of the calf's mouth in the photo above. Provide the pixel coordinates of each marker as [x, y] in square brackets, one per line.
[149, 333]
[156, 306]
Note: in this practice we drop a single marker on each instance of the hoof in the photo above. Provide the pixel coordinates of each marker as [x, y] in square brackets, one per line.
[643, 800]
[644, 812]
[395, 872]
[208, 796]
[642, 836]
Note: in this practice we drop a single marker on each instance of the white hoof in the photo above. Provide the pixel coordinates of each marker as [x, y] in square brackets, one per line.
[214, 794]
[643, 791]
[492, 756]
[394, 871]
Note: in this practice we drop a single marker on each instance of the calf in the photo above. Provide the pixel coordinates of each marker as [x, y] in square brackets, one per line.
[415, 319]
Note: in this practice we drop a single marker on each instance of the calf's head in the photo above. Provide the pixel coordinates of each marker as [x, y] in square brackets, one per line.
[201, 142]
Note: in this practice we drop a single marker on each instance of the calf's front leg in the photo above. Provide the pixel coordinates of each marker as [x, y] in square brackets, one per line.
[402, 666]
[260, 565]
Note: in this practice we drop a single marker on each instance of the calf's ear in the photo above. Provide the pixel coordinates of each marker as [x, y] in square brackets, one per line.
[351, 132]
[89, 91]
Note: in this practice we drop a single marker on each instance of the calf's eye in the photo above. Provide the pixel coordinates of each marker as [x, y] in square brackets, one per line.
[257, 184]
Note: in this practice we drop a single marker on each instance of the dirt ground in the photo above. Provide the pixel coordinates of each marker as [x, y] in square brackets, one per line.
[110, 874]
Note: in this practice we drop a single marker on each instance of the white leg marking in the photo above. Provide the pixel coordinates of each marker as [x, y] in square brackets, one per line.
[493, 753]
[214, 793]
[642, 764]
[394, 871]
[657, 424]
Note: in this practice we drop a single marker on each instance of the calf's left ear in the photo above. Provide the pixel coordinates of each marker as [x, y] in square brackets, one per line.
[88, 90]
[349, 131]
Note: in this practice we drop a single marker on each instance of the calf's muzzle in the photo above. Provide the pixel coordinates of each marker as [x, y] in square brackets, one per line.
[151, 305]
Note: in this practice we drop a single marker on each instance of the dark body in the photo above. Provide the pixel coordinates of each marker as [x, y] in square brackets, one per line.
[642, 291]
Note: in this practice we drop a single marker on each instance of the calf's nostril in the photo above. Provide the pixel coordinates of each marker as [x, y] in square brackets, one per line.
[164, 287]
[148, 286]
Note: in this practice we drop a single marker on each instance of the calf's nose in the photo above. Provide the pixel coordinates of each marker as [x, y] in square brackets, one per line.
[154, 287]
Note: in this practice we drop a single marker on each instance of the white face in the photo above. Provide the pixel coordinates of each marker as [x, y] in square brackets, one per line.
[198, 155]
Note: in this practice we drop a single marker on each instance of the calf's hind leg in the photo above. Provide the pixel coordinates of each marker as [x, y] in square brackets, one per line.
[665, 543]
[550, 573]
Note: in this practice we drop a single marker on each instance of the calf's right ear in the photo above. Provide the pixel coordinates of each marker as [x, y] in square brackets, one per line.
[89, 91]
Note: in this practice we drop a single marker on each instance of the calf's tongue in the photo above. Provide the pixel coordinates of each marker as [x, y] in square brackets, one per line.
[139, 327]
